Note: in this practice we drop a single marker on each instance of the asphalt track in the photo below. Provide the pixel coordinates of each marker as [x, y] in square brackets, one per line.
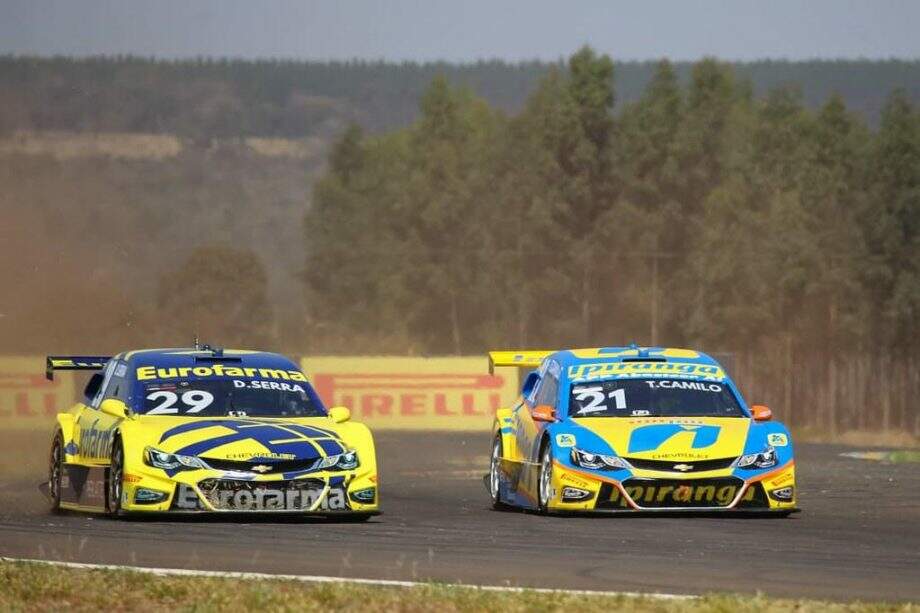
[858, 536]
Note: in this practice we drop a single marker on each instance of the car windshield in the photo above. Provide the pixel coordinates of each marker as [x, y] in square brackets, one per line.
[229, 398]
[652, 397]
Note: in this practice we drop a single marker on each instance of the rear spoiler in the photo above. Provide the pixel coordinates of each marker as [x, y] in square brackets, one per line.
[521, 359]
[73, 362]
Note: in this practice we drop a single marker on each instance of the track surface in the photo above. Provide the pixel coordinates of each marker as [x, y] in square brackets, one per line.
[858, 536]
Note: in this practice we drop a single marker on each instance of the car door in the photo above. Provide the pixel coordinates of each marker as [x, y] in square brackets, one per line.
[95, 429]
[528, 431]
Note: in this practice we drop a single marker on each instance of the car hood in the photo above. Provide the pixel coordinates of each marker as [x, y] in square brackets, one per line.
[243, 439]
[657, 438]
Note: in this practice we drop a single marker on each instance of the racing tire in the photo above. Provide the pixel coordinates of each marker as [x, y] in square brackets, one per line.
[55, 473]
[545, 478]
[495, 474]
[114, 484]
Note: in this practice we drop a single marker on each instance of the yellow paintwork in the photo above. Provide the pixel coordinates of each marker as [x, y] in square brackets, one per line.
[141, 431]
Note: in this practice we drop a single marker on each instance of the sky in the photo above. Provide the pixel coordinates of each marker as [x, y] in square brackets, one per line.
[463, 30]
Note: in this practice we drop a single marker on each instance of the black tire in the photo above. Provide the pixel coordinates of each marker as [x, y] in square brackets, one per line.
[545, 478]
[56, 472]
[494, 473]
[114, 484]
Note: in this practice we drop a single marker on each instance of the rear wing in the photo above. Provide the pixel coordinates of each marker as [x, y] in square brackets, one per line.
[73, 362]
[521, 359]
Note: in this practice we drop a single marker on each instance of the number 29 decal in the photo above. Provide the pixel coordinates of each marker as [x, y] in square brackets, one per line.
[196, 400]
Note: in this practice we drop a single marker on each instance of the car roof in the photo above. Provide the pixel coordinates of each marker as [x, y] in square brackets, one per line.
[190, 356]
[574, 357]
[597, 362]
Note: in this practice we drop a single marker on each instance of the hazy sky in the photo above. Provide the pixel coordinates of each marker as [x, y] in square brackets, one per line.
[463, 30]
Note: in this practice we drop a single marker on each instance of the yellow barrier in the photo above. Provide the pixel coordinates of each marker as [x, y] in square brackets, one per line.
[414, 393]
[384, 392]
[28, 401]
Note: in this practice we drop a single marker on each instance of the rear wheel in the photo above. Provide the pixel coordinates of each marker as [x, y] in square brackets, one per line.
[495, 467]
[55, 472]
[115, 482]
[545, 484]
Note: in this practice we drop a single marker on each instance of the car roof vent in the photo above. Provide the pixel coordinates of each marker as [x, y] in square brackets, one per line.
[644, 360]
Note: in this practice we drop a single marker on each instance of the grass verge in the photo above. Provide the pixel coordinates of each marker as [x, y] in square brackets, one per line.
[39, 587]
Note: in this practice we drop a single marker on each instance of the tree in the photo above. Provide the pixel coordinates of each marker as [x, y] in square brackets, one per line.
[892, 222]
[219, 295]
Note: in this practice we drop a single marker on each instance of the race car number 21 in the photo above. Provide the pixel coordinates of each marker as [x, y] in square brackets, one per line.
[596, 399]
[196, 400]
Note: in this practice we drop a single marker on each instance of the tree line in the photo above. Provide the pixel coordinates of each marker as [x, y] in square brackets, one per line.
[698, 215]
[207, 98]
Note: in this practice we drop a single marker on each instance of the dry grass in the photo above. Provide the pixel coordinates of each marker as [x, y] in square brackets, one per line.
[138, 146]
[39, 587]
[859, 438]
[66, 145]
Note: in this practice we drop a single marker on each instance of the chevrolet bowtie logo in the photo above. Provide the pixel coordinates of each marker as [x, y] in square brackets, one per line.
[261, 468]
[683, 467]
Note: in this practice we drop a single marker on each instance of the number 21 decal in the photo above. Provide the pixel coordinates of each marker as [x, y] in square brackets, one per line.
[597, 400]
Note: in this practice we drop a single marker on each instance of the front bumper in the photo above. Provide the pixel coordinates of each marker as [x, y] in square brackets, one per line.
[150, 490]
[580, 491]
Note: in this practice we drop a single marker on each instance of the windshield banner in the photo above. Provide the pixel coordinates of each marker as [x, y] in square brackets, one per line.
[414, 393]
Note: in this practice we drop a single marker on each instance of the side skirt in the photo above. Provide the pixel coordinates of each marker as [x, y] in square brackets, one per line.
[83, 488]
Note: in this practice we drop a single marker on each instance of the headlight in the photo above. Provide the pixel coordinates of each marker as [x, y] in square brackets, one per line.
[341, 461]
[586, 459]
[161, 459]
[764, 459]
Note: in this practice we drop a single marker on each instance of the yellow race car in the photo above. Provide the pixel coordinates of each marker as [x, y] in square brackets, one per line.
[627, 429]
[205, 430]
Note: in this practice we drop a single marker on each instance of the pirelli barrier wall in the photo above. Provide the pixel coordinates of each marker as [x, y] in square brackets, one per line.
[414, 393]
[384, 392]
[27, 400]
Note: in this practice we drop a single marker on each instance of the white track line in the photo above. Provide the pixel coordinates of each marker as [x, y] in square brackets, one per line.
[183, 572]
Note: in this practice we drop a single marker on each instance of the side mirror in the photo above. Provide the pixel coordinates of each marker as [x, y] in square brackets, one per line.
[761, 413]
[339, 414]
[544, 412]
[529, 383]
[114, 407]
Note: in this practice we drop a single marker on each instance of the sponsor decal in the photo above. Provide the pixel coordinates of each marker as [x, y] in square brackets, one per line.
[96, 442]
[777, 439]
[146, 373]
[680, 456]
[653, 436]
[607, 369]
[258, 457]
[681, 495]
[565, 440]
[262, 499]
[784, 478]
[573, 480]
[414, 393]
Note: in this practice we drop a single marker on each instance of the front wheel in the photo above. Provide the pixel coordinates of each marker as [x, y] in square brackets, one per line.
[115, 482]
[55, 472]
[545, 484]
